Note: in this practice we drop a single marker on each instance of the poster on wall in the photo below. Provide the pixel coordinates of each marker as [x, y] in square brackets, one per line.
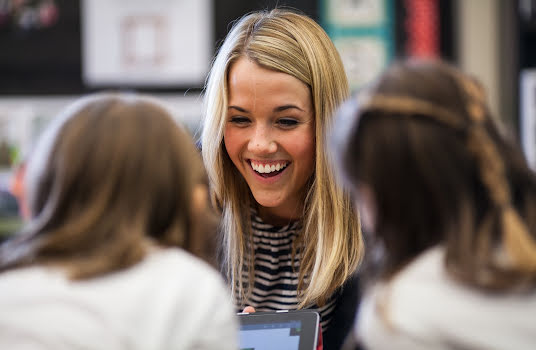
[362, 32]
[352, 13]
[363, 57]
[146, 43]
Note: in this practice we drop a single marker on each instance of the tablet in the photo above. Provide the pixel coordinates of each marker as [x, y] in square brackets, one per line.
[280, 330]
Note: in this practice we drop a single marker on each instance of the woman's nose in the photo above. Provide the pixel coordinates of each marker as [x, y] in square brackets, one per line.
[262, 142]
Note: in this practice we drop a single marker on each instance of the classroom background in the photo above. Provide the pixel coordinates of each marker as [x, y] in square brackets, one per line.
[54, 51]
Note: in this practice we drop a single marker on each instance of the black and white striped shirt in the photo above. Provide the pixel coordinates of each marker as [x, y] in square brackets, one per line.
[276, 282]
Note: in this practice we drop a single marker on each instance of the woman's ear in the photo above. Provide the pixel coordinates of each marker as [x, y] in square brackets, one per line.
[199, 199]
[366, 204]
[203, 235]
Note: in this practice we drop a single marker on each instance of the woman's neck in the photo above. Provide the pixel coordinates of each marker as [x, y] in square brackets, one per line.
[275, 218]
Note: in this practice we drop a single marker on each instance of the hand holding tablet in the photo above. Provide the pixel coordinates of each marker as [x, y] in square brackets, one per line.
[248, 310]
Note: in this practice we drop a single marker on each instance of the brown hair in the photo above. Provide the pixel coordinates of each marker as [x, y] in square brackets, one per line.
[112, 175]
[423, 140]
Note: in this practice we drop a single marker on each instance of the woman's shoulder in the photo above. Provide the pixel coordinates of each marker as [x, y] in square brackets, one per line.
[170, 276]
[181, 266]
[170, 267]
[424, 302]
[167, 285]
[176, 258]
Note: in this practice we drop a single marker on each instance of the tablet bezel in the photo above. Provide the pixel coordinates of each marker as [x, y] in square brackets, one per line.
[309, 320]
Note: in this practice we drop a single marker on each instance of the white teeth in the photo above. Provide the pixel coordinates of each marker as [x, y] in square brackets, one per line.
[264, 169]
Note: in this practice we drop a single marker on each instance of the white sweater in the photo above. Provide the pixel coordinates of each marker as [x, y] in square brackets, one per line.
[170, 300]
[426, 309]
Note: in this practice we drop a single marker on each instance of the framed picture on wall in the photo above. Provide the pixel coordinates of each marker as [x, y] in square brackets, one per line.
[146, 43]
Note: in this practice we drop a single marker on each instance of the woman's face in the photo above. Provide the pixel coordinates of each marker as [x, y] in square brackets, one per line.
[269, 136]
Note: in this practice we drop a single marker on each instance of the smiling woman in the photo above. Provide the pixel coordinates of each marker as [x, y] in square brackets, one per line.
[270, 126]
[291, 236]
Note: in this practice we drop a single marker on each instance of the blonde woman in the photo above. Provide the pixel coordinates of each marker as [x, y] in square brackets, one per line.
[115, 192]
[291, 237]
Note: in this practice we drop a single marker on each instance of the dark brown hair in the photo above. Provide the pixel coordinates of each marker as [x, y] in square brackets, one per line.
[112, 175]
[424, 142]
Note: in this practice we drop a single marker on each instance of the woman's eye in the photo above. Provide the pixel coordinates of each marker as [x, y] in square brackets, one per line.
[239, 120]
[287, 122]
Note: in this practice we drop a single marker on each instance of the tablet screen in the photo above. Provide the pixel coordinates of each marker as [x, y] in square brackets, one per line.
[296, 330]
[265, 336]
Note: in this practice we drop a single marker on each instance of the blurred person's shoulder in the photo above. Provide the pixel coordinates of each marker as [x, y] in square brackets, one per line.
[160, 300]
[423, 307]
[181, 264]
[161, 268]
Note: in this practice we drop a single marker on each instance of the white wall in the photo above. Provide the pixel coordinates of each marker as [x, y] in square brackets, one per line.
[27, 115]
[22, 118]
[478, 44]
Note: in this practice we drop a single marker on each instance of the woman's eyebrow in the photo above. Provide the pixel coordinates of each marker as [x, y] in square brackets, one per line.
[285, 107]
[276, 109]
[240, 109]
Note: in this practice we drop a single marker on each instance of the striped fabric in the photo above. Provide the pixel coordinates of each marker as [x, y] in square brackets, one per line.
[275, 286]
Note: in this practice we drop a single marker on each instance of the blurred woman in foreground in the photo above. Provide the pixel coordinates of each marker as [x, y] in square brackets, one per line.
[452, 208]
[115, 189]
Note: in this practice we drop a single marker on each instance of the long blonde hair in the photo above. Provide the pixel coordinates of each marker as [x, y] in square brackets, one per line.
[292, 43]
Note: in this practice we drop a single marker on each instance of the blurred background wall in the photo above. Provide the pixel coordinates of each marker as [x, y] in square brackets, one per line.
[52, 51]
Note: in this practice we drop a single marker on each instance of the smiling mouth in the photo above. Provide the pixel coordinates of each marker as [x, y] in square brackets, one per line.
[268, 170]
